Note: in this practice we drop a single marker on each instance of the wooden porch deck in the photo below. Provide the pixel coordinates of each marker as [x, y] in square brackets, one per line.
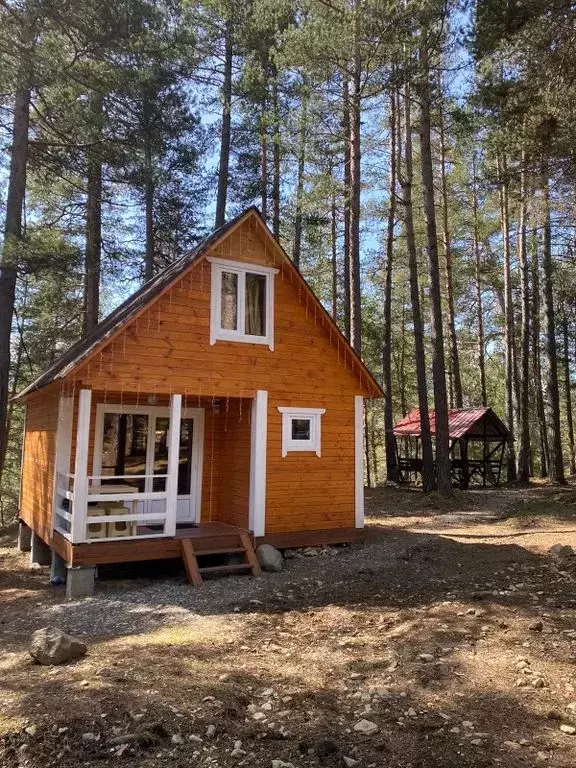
[205, 537]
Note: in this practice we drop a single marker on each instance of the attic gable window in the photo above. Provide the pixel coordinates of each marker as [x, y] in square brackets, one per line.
[242, 302]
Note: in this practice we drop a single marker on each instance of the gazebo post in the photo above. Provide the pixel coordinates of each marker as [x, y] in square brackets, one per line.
[484, 458]
[464, 460]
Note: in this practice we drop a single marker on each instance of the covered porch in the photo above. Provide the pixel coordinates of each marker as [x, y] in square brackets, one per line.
[137, 467]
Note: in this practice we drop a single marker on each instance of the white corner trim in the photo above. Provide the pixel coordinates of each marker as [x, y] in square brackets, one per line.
[258, 442]
[359, 461]
[240, 268]
[173, 460]
[63, 447]
[80, 503]
[314, 444]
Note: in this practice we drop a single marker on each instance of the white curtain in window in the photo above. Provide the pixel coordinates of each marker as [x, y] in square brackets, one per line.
[255, 304]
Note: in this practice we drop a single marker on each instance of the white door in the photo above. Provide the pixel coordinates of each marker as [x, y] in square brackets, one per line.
[133, 443]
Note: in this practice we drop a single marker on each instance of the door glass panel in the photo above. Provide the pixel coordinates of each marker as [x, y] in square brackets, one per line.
[229, 301]
[255, 304]
[160, 453]
[184, 458]
[124, 445]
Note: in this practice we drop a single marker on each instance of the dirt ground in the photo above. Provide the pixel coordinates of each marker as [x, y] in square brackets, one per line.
[451, 628]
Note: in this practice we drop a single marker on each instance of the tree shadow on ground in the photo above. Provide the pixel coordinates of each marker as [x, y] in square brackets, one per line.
[306, 718]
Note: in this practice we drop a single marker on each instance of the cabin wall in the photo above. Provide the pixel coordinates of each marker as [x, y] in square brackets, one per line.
[39, 461]
[167, 349]
[305, 491]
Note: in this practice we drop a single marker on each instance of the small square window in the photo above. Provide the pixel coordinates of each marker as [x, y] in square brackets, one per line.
[301, 429]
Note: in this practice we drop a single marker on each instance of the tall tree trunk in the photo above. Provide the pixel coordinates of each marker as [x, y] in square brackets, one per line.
[442, 439]
[389, 438]
[226, 128]
[556, 467]
[347, 185]
[454, 355]
[149, 211]
[297, 249]
[13, 225]
[509, 338]
[264, 161]
[478, 275]
[536, 361]
[355, 179]
[93, 253]
[568, 392]
[405, 178]
[275, 156]
[524, 415]
[334, 246]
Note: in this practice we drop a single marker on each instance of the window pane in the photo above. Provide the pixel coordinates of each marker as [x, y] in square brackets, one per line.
[255, 304]
[300, 429]
[160, 453]
[229, 311]
[184, 458]
[124, 447]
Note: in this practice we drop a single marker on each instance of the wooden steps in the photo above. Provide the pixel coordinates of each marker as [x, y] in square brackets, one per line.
[237, 543]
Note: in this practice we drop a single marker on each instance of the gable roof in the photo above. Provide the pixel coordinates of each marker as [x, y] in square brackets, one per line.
[140, 300]
[461, 421]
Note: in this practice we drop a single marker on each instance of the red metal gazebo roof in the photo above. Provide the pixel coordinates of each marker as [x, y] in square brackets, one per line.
[460, 422]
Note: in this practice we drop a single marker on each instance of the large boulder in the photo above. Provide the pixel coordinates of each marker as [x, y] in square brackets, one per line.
[50, 646]
[270, 558]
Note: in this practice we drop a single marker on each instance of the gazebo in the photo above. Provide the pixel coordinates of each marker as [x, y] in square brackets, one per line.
[478, 441]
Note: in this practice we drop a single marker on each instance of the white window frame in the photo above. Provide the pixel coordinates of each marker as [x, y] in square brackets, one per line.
[314, 444]
[240, 268]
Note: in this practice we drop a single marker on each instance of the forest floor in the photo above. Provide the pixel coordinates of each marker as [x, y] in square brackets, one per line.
[451, 628]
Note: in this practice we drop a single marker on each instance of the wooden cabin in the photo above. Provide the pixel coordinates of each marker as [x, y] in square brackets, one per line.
[219, 406]
[478, 440]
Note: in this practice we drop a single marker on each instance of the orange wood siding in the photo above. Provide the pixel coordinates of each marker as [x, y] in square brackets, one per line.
[167, 349]
[233, 458]
[39, 460]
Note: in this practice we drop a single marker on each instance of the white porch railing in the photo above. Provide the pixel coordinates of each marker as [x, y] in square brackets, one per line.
[105, 507]
[125, 513]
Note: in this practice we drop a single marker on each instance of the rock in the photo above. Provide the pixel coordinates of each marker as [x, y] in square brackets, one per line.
[427, 657]
[536, 626]
[281, 764]
[569, 729]
[50, 646]
[210, 731]
[270, 558]
[177, 739]
[237, 751]
[290, 554]
[89, 736]
[366, 727]
[31, 730]
[349, 762]
[538, 682]
[561, 550]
